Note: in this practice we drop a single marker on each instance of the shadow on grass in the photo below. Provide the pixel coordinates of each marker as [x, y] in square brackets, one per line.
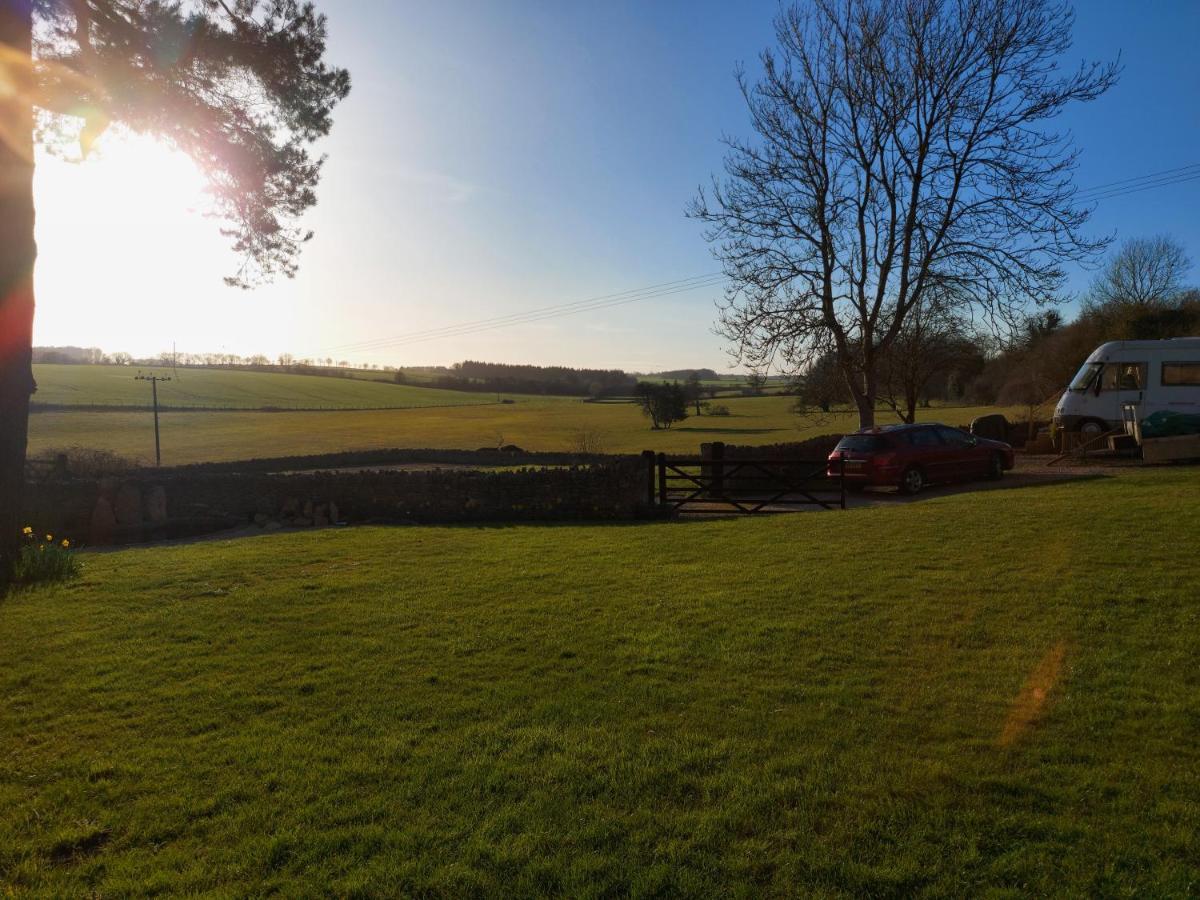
[955, 489]
[694, 430]
[860, 501]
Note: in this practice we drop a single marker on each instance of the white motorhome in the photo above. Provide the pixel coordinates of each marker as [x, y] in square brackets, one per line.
[1155, 375]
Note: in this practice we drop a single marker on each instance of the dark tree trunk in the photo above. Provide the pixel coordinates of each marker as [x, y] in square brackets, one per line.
[866, 409]
[17, 254]
[910, 406]
[864, 390]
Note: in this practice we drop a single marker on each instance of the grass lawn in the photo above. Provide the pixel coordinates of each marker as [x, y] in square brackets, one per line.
[535, 424]
[231, 389]
[979, 693]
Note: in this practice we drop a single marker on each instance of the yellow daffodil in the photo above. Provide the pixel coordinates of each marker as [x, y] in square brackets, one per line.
[49, 537]
[27, 530]
[66, 543]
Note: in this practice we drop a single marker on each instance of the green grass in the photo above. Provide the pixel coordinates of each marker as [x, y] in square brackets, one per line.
[533, 424]
[231, 389]
[835, 704]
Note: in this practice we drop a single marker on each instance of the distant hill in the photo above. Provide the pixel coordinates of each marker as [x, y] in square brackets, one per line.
[212, 388]
[685, 374]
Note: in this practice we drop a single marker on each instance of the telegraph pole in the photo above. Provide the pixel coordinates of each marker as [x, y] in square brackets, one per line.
[154, 380]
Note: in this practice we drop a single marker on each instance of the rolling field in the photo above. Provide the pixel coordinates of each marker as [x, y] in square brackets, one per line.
[531, 423]
[721, 708]
[227, 389]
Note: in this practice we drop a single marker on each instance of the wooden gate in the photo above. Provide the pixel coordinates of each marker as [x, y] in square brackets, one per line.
[706, 485]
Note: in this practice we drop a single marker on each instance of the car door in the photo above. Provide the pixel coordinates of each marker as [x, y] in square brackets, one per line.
[931, 453]
[963, 459]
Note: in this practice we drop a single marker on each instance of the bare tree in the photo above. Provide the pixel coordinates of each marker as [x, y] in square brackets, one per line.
[1144, 272]
[820, 386]
[898, 144]
[932, 341]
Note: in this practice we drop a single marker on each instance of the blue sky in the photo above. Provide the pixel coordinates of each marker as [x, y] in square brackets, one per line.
[496, 157]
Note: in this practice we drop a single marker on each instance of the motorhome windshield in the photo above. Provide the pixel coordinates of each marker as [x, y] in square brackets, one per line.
[1086, 376]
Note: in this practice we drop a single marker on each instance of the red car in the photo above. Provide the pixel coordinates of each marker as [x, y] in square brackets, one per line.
[912, 456]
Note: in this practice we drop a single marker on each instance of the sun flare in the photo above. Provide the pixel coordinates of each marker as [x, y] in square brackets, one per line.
[123, 237]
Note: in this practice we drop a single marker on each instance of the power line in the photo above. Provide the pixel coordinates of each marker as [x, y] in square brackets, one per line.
[1134, 189]
[603, 301]
[461, 331]
[1101, 187]
[532, 312]
[1107, 191]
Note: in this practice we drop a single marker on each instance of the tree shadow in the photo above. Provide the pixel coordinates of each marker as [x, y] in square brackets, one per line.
[694, 430]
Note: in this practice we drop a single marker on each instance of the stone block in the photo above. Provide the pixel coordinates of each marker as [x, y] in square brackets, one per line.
[103, 524]
[156, 504]
[128, 506]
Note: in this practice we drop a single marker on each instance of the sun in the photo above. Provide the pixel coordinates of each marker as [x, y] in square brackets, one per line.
[126, 250]
[131, 177]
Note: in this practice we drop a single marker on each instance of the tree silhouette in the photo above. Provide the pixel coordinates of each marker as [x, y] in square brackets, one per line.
[1143, 273]
[241, 86]
[898, 145]
[664, 404]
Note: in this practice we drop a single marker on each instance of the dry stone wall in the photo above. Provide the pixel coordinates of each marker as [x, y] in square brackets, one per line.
[152, 505]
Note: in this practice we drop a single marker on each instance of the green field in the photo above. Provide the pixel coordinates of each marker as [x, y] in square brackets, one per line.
[533, 424]
[989, 694]
[231, 389]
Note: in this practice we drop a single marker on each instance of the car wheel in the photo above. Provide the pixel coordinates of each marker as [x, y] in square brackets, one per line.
[996, 467]
[912, 481]
[1091, 429]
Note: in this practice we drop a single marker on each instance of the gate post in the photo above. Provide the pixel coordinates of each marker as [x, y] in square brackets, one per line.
[662, 478]
[717, 485]
[648, 458]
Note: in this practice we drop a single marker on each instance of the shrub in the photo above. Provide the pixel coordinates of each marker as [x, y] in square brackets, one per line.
[716, 409]
[83, 462]
[44, 560]
[586, 441]
[664, 403]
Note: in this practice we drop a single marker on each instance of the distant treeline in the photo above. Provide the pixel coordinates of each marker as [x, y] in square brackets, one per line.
[70, 355]
[684, 375]
[471, 375]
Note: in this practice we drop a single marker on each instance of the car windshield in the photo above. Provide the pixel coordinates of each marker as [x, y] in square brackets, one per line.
[1085, 376]
[860, 443]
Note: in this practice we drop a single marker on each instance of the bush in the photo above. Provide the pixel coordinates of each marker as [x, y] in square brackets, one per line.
[587, 441]
[44, 560]
[716, 409]
[82, 462]
[664, 403]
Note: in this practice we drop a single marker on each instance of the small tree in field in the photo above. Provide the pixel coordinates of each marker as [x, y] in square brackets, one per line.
[665, 403]
[240, 85]
[694, 391]
[820, 386]
[932, 342]
[900, 145]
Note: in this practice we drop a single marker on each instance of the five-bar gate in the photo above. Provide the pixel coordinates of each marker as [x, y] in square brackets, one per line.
[747, 485]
